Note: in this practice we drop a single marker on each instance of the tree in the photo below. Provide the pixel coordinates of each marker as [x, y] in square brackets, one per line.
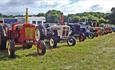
[41, 14]
[112, 16]
[53, 16]
[0, 14]
[84, 18]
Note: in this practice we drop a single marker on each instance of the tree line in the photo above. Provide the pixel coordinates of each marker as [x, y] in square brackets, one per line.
[53, 16]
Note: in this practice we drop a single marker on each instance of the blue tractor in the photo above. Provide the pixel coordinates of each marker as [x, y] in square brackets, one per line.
[87, 32]
[2, 38]
[113, 29]
[85, 28]
[76, 31]
[3, 30]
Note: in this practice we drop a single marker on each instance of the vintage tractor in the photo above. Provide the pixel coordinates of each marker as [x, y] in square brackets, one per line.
[113, 28]
[108, 29]
[75, 28]
[2, 36]
[95, 30]
[87, 32]
[56, 33]
[26, 35]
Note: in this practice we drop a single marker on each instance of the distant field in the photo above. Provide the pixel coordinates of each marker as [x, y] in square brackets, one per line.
[92, 54]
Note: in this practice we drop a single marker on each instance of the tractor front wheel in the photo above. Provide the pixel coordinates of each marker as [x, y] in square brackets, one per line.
[71, 41]
[53, 42]
[41, 48]
[96, 34]
[11, 48]
[91, 36]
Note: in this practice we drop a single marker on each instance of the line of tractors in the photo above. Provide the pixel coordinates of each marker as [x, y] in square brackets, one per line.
[74, 32]
[27, 34]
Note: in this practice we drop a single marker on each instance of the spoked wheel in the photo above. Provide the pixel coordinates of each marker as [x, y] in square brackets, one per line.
[91, 36]
[11, 48]
[71, 41]
[82, 37]
[41, 48]
[53, 42]
[37, 34]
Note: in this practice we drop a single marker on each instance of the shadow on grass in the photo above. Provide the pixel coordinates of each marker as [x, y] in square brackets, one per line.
[59, 46]
[5, 57]
[32, 54]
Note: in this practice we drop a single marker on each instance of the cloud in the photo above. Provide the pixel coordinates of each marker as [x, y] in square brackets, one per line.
[96, 7]
[66, 6]
[4, 2]
[90, 6]
[35, 6]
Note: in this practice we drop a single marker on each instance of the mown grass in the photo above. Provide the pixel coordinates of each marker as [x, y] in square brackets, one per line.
[92, 54]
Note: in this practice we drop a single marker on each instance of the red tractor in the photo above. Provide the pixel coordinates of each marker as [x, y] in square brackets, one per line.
[26, 35]
[108, 29]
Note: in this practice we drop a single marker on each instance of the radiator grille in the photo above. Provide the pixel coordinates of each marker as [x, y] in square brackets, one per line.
[29, 32]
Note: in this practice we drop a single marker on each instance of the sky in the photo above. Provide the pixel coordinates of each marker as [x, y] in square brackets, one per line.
[17, 7]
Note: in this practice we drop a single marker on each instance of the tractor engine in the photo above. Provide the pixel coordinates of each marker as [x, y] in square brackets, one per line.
[22, 33]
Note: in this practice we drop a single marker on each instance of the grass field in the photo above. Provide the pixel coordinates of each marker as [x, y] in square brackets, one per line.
[92, 54]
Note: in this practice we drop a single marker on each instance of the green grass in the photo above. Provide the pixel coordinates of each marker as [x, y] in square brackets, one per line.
[92, 54]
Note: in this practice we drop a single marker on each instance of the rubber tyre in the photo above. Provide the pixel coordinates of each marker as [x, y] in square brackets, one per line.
[41, 48]
[52, 42]
[11, 48]
[37, 34]
[71, 41]
[42, 30]
[96, 35]
[91, 36]
[82, 37]
[3, 42]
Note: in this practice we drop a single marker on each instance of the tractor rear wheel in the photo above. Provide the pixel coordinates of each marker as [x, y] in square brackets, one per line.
[82, 37]
[2, 42]
[11, 48]
[42, 31]
[71, 41]
[52, 42]
[37, 34]
[41, 48]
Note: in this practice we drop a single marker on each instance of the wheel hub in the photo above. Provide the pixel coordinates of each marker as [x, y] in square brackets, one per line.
[51, 42]
[8, 46]
[37, 35]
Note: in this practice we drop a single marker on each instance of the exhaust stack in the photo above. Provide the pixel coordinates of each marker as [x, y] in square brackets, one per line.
[26, 16]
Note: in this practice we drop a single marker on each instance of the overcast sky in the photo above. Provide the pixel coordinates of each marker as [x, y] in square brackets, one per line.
[66, 6]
